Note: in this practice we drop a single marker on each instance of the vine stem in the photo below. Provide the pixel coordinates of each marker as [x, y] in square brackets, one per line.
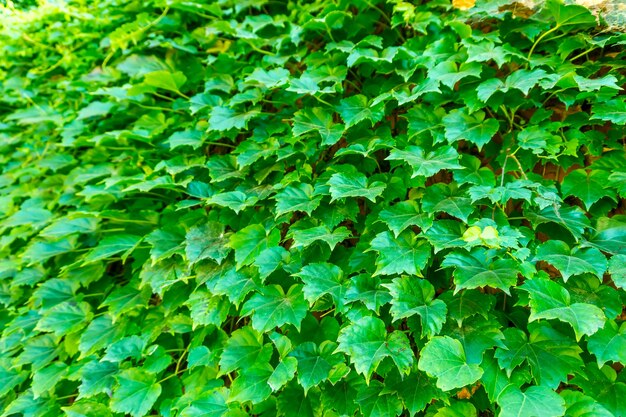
[540, 38]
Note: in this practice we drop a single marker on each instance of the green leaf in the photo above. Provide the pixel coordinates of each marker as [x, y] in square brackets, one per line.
[427, 164]
[306, 237]
[224, 118]
[448, 199]
[571, 218]
[250, 241]
[207, 241]
[315, 363]
[113, 245]
[100, 333]
[271, 307]
[191, 138]
[367, 289]
[574, 262]
[136, 393]
[444, 358]
[316, 119]
[252, 385]
[166, 80]
[376, 403]
[449, 73]
[367, 343]
[65, 318]
[404, 214]
[45, 379]
[613, 111]
[550, 354]
[580, 405]
[523, 80]
[283, 373]
[609, 343]
[297, 198]
[212, 403]
[617, 270]
[344, 185]
[587, 186]
[412, 296]
[125, 299]
[478, 269]
[610, 235]
[67, 226]
[234, 200]
[460, 125]
[357, 108]
[467, 303]
[406, 254]
[570, 14]
[244, 348]
[320, 279]
[535, 401]
[549, 300]
[457, 409]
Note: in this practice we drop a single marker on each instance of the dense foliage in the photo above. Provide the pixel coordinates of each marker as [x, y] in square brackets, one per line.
[311, 208]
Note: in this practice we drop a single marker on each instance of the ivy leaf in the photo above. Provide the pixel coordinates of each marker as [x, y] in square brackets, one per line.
[404, 214]
[523, 80]
[252, 385]
[250, 241]
[427, 164]
[610, 235]
[570, 14]
[609, 343]
[320, 279]
[65, 318]
[367, 289]
[587, 186]
[315, 363]
[477, 269]
[283, 373]
[137, 392]
[271, 307]
[571, 218]
[374, 402]
[444, 358]
[45, 379]
[166, 80]
[406, 254]
[549, 300]
[611, 111]
[467, 303]
[535, 401]
[357, 108]
[449, 73]
[460, 125]
[316, 119]
[110, 246]
[207, 241]
[244, 348]
[344, 185]
[367, 343]
[551, 355]
[297, 198]
[412, 296]
[306, 237]
[574, 262]
[448, 199]
[224, 118]
[617, 270]
[416, 390]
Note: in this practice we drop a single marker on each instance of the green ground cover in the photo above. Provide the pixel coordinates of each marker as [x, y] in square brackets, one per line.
[311, 208]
